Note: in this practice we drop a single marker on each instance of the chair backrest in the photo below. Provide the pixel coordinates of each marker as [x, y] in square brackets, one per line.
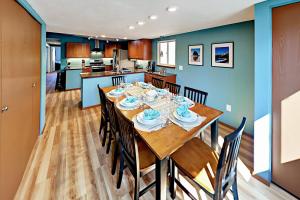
[173, 88]
[127, 137]
[102, 96]
[116, 80]
[227, 165]
[195, 95]
[114, 126]
[157, 82]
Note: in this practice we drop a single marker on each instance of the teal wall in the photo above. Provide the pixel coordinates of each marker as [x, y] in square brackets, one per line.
[64, 38]
[224, 86]
[30, 10]
[263, 86]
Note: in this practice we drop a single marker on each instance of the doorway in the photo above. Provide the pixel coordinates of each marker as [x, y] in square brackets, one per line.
[286, 97]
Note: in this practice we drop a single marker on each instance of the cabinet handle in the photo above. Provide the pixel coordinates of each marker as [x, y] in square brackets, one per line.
[33, 85]
[4, 109]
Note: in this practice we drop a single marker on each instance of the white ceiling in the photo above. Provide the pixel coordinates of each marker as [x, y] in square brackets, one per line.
[113, 17]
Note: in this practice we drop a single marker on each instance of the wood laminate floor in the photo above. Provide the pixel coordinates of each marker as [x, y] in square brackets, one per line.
[68, 161]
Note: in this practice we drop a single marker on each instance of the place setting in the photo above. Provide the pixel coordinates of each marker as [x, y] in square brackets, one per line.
[129, 103]
[149, 120]
[117, 92]
[186, 118]
[181, 100]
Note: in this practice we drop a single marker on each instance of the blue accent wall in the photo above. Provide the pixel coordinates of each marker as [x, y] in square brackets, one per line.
[263, 86]
[64, 38]
[224, 86]
[35, 15]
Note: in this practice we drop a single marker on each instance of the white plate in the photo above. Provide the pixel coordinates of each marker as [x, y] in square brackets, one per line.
[114, 93]
[193, 117]
[187, 101]
[140, 119]
[123, 103]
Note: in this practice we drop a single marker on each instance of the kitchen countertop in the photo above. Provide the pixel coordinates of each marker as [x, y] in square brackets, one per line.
[111, 73]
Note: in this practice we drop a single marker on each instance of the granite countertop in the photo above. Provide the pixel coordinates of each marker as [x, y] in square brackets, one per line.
[108, 73]
[111, 73]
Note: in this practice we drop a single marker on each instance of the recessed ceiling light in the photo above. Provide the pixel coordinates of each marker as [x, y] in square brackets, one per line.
[125, 38]
[141, 23]
[172, 8]
[131, 27]
[117, 39]
[153, 17]
[103, 36]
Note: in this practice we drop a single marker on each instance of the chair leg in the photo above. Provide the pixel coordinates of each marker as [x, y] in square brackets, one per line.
[109, 142]
[172, 181]
[104, 127]
[121, 169]
[235, 189]
[115, 158]
[137, 188]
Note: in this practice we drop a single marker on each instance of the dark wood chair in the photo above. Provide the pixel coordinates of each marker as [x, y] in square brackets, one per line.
[173, 88]
[157, 82]
[104, 120]
[139, 159]
[195, 95]
[116, 80]
[214, 174]
[113, 134]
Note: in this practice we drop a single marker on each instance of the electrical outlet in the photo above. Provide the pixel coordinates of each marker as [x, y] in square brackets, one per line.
[180, 67]
[228, 107]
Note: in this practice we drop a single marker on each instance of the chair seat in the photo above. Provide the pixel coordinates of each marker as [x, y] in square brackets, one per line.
[198, 162]
[146, 157]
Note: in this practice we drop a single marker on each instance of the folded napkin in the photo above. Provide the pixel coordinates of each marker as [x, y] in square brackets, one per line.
[151, 93]
[150, 114]
[180, 99]
[118, 90]
[183, 111]
[130, 99]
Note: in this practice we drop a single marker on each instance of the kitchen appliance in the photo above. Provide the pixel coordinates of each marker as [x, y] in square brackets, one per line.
[97, 47]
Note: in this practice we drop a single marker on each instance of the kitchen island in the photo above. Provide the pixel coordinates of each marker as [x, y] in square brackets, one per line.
[90, 81]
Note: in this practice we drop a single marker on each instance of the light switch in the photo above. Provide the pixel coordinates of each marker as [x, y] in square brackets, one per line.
[180, 67]
[228, 107]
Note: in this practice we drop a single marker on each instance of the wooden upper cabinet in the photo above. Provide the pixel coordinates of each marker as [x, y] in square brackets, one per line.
[140, 49]
[109, 49]
[77, 50]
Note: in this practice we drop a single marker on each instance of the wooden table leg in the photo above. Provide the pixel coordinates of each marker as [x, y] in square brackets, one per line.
[161, 179]
[214, 134]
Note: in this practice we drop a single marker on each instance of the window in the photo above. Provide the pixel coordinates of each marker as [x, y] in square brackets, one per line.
[166, 53]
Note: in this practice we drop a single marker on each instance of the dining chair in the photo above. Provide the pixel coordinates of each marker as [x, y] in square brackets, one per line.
[157, 82]
[113, 134]
[116, 80]
[214, 174]
[134, 152]
[104, 120]
[195, 95]
[173, 88]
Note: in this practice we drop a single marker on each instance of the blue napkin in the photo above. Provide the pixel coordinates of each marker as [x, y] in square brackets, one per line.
[150, 114]
[130, 99]
[161, 91]
[119, 90]
[180, 99]
[183, 111]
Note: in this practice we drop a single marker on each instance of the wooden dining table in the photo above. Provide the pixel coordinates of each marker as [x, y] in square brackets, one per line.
[167, 140]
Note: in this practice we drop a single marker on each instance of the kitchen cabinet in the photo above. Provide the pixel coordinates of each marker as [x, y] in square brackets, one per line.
[165, 77]
[140, 49]
[109, 49]
[77, 50]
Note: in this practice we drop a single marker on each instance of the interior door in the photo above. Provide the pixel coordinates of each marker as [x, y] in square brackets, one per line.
[20, 92]
[286, 97]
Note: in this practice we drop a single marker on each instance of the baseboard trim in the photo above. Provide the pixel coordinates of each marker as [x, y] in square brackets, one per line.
[72, 89]
[90, 107]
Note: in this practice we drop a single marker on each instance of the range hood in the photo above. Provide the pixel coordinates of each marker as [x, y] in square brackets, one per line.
[96, 49]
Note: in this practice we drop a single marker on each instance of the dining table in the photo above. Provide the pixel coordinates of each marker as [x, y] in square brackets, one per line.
[167, 140]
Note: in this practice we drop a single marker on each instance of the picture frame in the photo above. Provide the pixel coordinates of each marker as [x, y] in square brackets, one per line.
[222, 55]
[195, 55]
